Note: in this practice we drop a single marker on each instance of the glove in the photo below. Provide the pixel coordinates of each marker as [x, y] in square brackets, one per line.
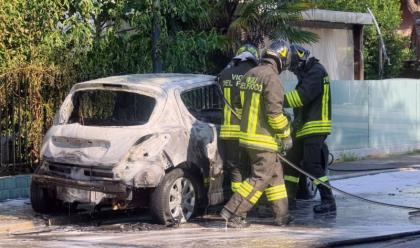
[284, 140]
[286, 143]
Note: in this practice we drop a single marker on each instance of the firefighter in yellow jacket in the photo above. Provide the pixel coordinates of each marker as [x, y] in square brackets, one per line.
[311, 103]
[229, 79]
[264, 132]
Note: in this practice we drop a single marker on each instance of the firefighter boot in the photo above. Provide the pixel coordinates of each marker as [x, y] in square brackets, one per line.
[280, 211]
[233, 221]
[327, 201]
[284, 220]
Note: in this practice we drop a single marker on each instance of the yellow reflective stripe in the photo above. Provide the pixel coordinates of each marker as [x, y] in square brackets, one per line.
[230, 131]
[277, 196]
[290, 100]
[275, 189]
[325, 99]
[283, 135]
[251, 114]
[257, 107]
[255, 197]
[261, 145]
[319, 180]
[242, 96]
[278, 122]
[247, 186]
[276, 192]
[297, 98]
[242, 192]
[294, 99]
[229, 101]
[291, 179]
[326, 103]
[258, 140]
[230, 127]
[235, 186]
[313, 127]
[259, 137]
[314, 131]
[226, 109]
[245, 189]
[317, 123]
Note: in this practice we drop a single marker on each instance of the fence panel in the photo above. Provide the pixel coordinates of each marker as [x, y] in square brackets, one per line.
[374, 113]
[393, 112]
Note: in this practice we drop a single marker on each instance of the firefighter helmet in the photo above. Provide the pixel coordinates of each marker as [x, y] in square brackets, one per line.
[279, 50]
[298, 55]
[248, 52]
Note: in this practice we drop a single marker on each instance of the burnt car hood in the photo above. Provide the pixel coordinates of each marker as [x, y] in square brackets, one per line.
[91, 146]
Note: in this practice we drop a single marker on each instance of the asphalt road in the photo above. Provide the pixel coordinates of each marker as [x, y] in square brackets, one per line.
[354, 219]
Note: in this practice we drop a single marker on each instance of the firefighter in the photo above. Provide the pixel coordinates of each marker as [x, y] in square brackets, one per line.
[246, 58]
[264, 132]
[311, 103]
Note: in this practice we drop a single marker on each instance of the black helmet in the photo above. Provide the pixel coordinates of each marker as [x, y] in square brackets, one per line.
[246, 52]
[279, 51]
[299, 55]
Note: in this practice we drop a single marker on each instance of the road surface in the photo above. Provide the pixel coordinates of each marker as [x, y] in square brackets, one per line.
[354, 219]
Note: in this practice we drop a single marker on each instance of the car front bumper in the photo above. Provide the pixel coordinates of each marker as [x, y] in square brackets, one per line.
[117, 188]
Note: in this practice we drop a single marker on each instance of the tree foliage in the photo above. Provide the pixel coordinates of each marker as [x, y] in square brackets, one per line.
[259, 19]
[388, 15]
[46, 46]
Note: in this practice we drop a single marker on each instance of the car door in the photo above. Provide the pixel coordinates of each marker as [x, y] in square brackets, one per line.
[205, 104]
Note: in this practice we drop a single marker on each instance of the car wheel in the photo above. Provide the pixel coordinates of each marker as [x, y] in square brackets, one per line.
[43, 200]
[307, 190]
[176, 199]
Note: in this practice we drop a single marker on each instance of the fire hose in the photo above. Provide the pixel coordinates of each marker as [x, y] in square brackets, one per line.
[416, 210]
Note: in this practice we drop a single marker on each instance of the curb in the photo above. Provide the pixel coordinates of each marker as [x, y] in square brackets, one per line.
[361, 174]
[370, 173]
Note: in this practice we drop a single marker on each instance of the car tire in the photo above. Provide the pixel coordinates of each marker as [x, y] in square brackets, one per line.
[177, 198]
[43, 200]
[307, 190]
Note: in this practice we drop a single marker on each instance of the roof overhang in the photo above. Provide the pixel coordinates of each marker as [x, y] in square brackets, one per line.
[331, 16]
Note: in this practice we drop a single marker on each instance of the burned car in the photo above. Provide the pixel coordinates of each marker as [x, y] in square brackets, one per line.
[148, 140]
[145, 140]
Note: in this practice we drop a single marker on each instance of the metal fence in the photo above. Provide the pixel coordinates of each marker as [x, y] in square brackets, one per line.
[16, 154]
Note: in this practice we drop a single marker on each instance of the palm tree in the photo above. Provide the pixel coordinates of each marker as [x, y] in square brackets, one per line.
[254, 20]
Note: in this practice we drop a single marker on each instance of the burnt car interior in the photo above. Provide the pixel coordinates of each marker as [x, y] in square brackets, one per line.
[111, 108]
[204, 103]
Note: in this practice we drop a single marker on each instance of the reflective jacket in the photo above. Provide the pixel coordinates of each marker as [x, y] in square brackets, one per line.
[229, 80]
[311, 101]
[263, 123]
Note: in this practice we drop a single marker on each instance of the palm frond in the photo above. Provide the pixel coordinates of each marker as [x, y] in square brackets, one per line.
[257, 19]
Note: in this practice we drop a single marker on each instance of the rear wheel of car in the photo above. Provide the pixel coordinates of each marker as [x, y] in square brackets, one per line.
[177, 198]
[43, 200]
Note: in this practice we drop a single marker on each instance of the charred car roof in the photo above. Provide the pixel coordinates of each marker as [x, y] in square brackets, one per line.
[157, 81]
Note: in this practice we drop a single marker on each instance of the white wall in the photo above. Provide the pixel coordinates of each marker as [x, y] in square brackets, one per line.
[334, 50]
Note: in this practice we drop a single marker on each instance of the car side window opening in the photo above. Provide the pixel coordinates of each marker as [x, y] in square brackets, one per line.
[204, 103]
[111, 108]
